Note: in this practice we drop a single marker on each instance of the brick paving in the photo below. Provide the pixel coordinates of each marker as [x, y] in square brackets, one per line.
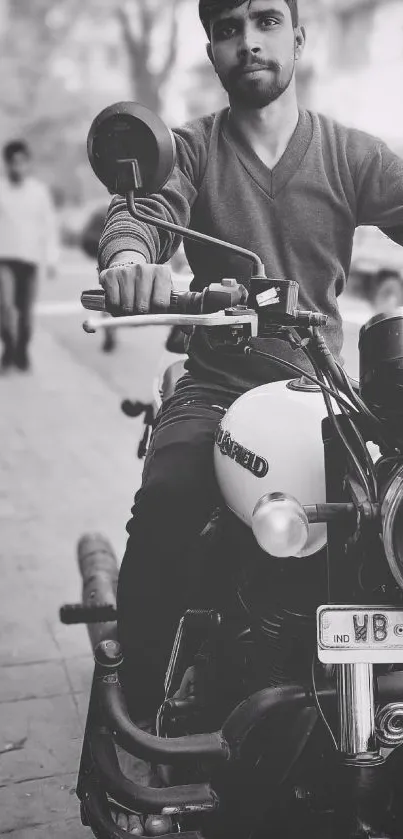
[67, 465]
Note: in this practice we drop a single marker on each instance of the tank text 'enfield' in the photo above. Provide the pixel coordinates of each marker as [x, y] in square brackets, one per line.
[249, 460]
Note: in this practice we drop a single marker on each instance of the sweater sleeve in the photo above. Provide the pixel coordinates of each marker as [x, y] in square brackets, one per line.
[174, 203]
[380, 192]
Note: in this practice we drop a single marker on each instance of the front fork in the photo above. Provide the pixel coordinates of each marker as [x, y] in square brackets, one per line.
[356, 698]
[360, 783]
[360, 789]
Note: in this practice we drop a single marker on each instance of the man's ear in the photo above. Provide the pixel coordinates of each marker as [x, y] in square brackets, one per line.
[300, 38]
[209, 52]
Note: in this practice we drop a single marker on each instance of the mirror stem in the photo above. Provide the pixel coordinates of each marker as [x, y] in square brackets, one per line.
[259, 270]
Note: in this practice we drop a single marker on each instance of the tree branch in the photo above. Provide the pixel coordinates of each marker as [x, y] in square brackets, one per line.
[173, 42]
[137, 48]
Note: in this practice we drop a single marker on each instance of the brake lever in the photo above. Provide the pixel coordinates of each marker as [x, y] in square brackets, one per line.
[227, 318]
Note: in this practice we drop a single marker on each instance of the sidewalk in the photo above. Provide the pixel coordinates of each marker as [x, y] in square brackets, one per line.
[67, 465]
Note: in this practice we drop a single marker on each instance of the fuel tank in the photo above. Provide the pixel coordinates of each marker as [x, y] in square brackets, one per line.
[270, 440]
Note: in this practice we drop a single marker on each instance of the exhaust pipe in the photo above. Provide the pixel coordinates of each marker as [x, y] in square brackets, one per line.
[99, 571]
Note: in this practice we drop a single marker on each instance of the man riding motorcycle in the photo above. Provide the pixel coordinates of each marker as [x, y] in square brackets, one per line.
[293, 186]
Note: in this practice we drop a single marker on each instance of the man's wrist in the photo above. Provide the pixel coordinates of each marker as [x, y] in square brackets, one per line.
[129, 257]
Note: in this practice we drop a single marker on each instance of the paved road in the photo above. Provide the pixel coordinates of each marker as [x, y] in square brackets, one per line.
[67, 465]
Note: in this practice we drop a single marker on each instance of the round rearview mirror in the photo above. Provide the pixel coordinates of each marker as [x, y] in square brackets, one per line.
[131, 149]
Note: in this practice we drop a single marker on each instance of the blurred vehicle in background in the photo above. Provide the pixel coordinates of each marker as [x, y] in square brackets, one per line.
[74, 219]
[92, 230]
[376, 272]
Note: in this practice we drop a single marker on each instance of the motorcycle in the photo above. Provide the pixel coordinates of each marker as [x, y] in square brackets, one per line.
[283, 708]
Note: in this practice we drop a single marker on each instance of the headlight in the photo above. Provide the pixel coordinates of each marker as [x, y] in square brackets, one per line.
[381, 365]
[280, 525]
[392, 525]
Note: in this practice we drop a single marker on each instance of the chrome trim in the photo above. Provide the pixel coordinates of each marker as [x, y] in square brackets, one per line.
[389, 724]
[174, 657]
[303, 384]
[391, 504]
[356, 701]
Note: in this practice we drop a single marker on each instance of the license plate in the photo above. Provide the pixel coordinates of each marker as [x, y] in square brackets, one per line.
[353, 634]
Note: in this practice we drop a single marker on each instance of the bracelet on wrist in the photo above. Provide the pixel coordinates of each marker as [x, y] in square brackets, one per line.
[119, 265]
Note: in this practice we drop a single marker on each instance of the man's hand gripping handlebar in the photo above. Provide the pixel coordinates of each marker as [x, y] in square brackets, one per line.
[217, 305]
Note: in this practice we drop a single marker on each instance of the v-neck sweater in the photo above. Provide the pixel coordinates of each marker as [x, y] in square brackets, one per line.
[299, 217]
[272, 181]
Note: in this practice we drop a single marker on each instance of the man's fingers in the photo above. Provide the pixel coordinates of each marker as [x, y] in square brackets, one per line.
[162, 286]
[126, 278]
[137, 289]
[143, 288]
[109, 282]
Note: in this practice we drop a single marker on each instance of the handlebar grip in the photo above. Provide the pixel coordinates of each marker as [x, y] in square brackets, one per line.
[186, 302]
[94, 299]
[79, 613]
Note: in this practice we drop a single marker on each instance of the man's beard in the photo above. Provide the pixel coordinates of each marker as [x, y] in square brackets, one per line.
[259, 91]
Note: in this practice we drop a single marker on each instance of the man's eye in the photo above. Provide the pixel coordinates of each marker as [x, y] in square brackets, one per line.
[268, 22]
[225, 32]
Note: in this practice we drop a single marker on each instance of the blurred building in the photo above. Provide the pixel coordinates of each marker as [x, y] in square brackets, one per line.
[60, 64]
[353, 64]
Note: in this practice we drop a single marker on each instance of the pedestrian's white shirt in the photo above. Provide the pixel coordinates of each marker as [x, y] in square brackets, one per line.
[28, 229]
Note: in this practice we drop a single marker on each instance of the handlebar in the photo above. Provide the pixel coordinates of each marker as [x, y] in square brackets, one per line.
[196, 308]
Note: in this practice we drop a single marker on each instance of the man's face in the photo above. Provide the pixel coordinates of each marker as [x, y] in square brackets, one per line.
[18, 168]
[253, 51]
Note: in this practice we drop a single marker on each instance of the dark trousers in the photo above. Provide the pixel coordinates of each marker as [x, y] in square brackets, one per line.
[177, 496]
[18, 286]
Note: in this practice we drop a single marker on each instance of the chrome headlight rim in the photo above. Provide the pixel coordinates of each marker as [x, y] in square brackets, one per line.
[392, 504]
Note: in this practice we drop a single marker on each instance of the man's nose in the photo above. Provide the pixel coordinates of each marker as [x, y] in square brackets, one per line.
[250, 42]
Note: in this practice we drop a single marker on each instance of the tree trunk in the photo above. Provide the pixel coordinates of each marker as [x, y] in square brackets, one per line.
[148, 85]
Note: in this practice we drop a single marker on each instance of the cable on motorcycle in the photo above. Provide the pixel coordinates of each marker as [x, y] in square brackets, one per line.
[367, 457]
[295, 369]
[369, 481]
[361, 406]
[318, 705]
[327, 391]
[363, 479]
[370, 490]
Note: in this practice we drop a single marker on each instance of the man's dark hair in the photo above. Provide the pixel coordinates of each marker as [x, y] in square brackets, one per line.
[15, 147]
[209, 8]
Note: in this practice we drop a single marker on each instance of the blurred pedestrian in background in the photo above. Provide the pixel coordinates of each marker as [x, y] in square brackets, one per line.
[28, 244]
